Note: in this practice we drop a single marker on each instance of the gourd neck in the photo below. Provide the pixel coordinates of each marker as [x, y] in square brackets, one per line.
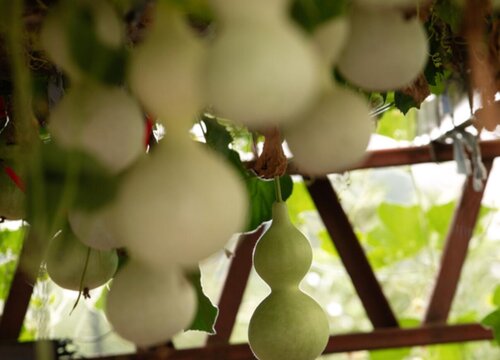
[280, 213]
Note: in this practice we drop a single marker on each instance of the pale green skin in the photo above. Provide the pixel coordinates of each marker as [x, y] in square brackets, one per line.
[66, 257]
[288, 324]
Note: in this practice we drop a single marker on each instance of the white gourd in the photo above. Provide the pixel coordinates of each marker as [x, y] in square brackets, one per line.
[384, 50]
[332, 135]
[148, 307]
[261, 70]
[66, 258]
[330, 38]
[104, 121]
[94, 229]
[180, 204]
[166, 69]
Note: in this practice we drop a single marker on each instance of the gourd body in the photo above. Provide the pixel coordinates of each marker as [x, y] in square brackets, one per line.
[149, 306]
[166, 69]
[66, 258]
[288, 324]
[181, 204]
[104, 121]
[395, 63]
[261, 70]
[333, 135]
[95, 229]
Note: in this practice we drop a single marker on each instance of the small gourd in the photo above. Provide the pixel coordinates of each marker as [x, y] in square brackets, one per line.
[104, 121]
[384, 50]
[148, 306]
[261, 70]
[333, 135]
[166, 69]
[74, 266]
[288, 324]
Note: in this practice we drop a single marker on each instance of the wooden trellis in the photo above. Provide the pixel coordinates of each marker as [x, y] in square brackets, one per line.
[386, 333]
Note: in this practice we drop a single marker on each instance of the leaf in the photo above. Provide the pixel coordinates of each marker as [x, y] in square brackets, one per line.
[492, 320]
[398, 235]
[396, 125]
[262, 197]
[299, 201]
[261, 192]
[311, 13]
[206, 313]
[404, 102]
[439, 219]
[496, 296]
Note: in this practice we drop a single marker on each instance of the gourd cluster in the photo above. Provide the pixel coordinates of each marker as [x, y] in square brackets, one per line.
[182, 202]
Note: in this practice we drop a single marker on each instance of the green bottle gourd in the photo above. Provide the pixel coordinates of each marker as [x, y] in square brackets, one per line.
[288, 324]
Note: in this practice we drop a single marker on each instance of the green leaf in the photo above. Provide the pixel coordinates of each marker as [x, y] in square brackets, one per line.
[492, 321]
[396, 125]
[398, 235]
[262, 197]
[404, 102]
[496, 296]
[311, 13]
[206, 313]
[439, 219]
[299, 201]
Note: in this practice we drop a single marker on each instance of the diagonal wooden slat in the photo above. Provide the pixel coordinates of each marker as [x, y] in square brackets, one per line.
[234, 287]
[377, 339]
[351, 253]
[21, 289]
[455, 252]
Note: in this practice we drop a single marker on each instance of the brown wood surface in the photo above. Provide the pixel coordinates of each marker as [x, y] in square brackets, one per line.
[21, 289]
[234, 288]
[455, 252]
[351, 253]
[408, 156]
[377, 339]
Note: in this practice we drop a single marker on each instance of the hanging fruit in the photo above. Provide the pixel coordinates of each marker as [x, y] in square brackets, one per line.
[288, 324]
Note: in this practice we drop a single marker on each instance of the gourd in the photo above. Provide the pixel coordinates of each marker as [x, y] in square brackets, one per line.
[180, 204]
[288, 324]
[54, 35]
[74, 266]
[102, 120]
[330, 38]
[261, 70]
[332, 135]
[94, 229]
[384, 50]
[149, 306]
[166, 69]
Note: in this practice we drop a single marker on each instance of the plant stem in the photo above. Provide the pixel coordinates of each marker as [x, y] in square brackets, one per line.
[277, 187]
[84, 271]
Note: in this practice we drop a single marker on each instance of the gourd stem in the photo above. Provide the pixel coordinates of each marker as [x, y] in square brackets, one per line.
[277, 187]
[84, 271]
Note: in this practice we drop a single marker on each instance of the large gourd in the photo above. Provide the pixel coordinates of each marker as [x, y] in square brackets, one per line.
[261, 70]
[288, 324]
[333, 135]
[148, 306]
[180, 204]
[384, 51]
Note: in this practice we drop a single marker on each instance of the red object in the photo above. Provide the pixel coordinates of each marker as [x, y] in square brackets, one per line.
[15, 178]
[149, 130]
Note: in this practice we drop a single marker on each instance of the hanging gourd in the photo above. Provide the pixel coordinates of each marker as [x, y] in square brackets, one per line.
[288, 324]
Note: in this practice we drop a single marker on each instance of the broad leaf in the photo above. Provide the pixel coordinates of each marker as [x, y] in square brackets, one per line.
[492, 321]
[206, 313]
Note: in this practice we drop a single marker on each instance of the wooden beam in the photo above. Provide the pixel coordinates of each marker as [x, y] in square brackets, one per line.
[455, 252]
[377, 339]
[408, 156]
[234, 288]
[351, 253]
[28, 350]
[21, 289]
